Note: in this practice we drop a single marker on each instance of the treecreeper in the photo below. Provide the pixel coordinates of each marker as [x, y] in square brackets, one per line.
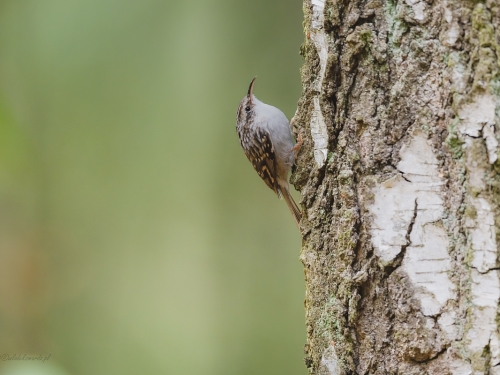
[266, 139]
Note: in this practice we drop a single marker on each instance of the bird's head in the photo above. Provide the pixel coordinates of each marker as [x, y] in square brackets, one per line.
[248, 108]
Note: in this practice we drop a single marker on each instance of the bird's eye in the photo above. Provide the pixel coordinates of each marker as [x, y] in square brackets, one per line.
[247, 109]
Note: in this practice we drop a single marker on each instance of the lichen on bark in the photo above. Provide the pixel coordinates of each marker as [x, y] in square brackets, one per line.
[400, 225]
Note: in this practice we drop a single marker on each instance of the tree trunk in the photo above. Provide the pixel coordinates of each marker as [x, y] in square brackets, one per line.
[400, 186]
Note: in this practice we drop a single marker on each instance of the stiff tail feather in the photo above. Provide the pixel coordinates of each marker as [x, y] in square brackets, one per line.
[294, 209]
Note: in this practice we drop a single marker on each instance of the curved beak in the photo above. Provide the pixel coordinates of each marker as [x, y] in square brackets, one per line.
[250, 89]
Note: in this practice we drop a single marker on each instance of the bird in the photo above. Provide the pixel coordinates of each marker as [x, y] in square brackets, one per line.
[267, 142]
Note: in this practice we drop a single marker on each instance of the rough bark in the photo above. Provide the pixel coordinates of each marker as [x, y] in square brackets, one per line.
[400, 185]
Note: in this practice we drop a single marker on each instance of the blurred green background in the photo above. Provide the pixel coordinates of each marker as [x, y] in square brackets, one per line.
[135, 237]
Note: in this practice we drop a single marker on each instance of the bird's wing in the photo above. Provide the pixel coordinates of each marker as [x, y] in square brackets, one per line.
[259, 150]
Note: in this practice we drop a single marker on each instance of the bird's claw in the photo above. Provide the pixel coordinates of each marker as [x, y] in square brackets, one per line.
[298, 144]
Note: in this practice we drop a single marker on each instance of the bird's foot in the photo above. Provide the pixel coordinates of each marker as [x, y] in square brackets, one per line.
[298, 145]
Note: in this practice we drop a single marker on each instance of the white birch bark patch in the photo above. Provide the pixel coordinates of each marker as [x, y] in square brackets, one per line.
[485, 295]
[319, 132]
[483, 235]
[419, 8]
[397, 226]
[478, 117]
[329, 364]
[484, 275]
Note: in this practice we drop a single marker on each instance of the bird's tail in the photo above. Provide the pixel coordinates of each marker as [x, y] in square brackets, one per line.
[294, 209]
